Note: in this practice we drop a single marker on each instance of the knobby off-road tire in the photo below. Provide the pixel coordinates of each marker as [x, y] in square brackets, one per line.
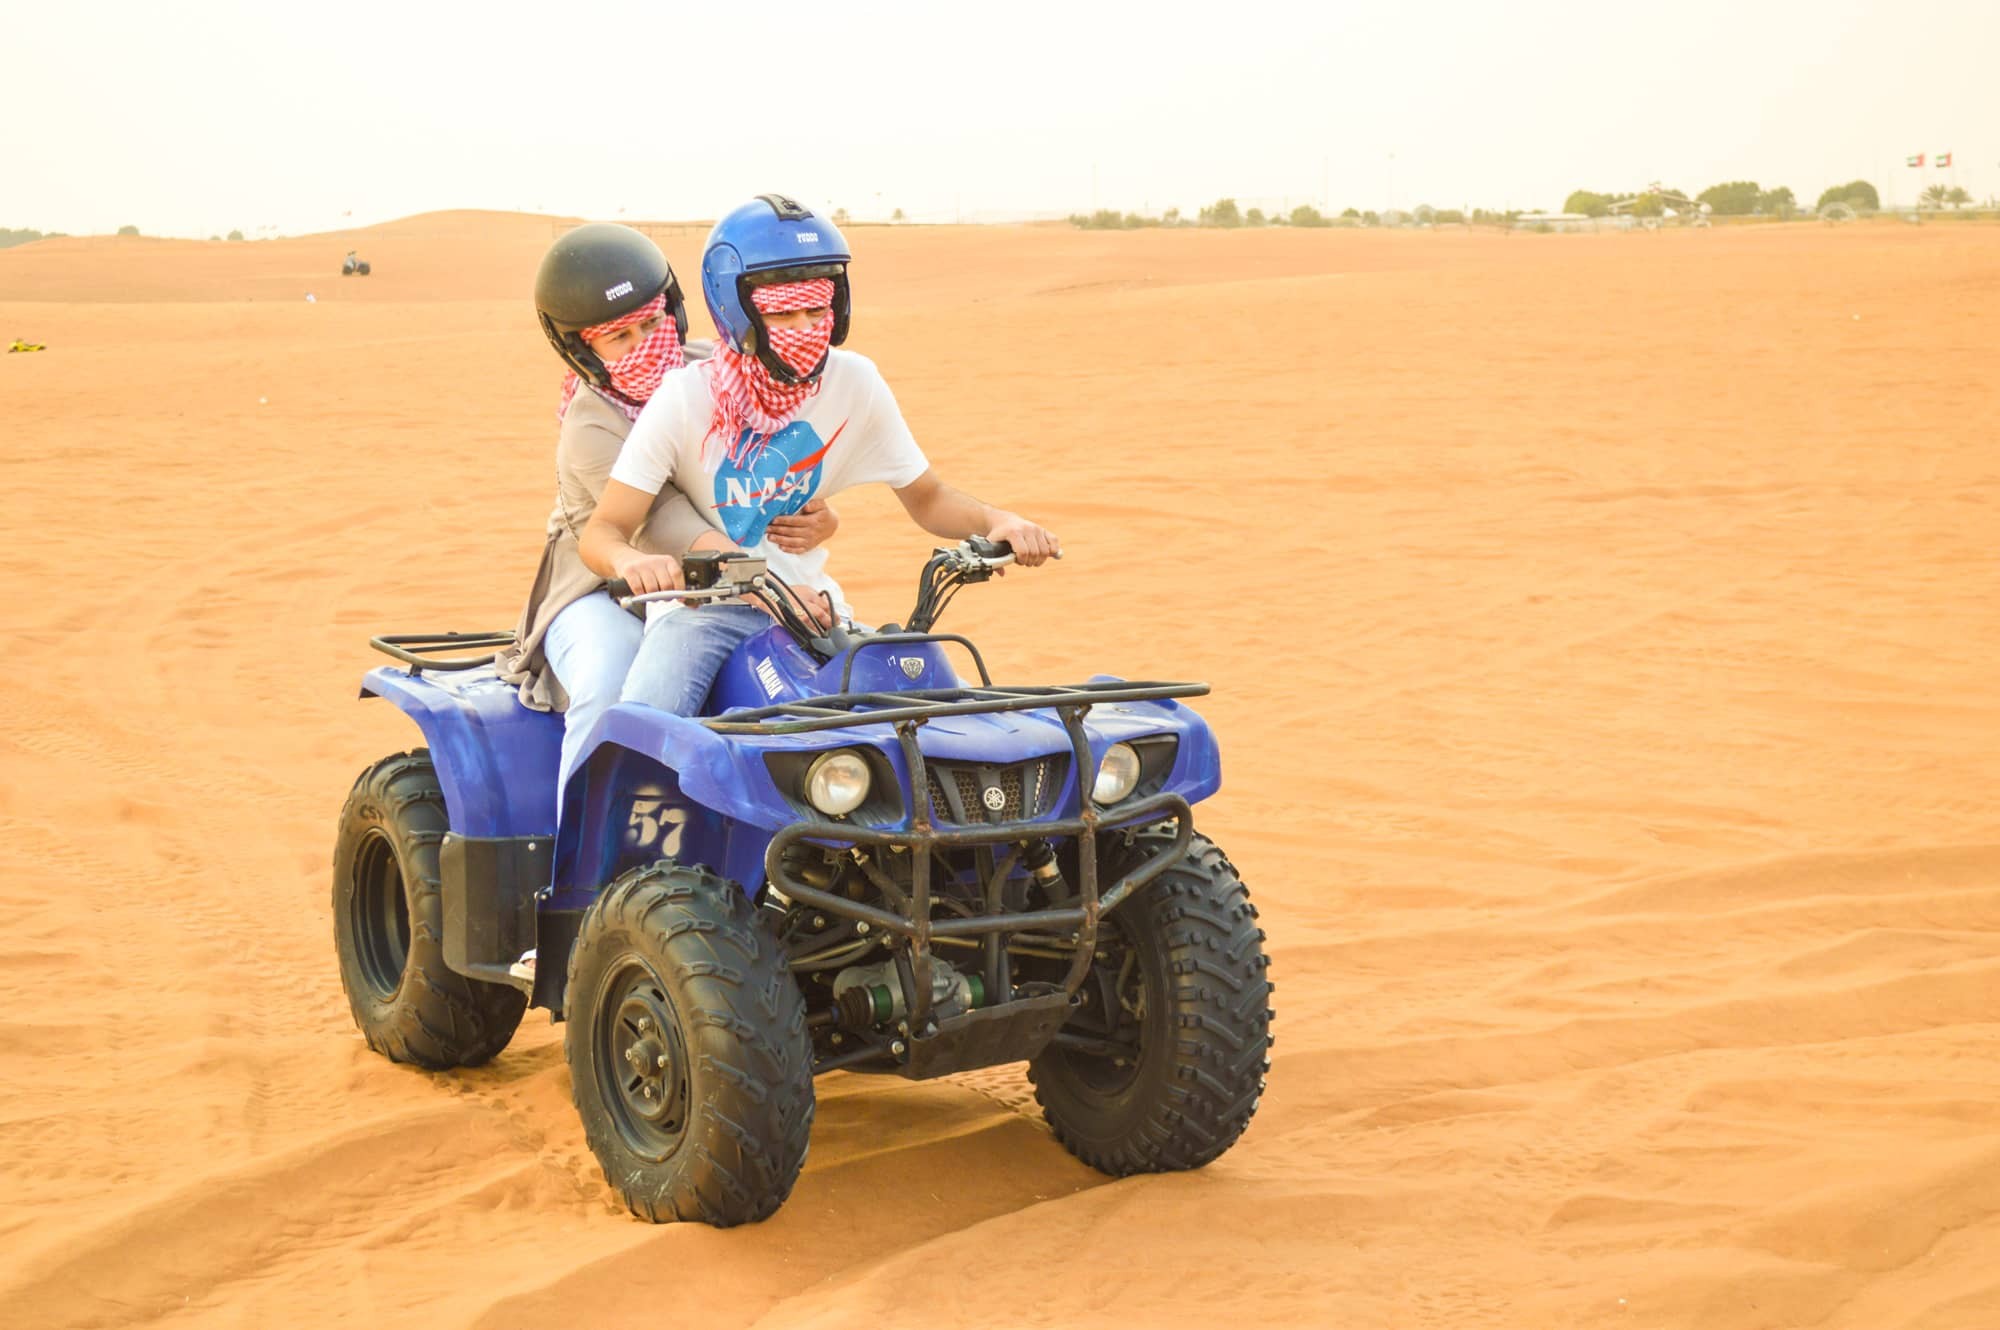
[687, 1048]
[1198, 976]
[388, 926]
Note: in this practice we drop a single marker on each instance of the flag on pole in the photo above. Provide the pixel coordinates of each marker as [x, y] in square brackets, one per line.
[1944, 159]
[1917, 160]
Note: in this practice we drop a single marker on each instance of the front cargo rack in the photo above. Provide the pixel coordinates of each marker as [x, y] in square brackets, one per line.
[839, 711]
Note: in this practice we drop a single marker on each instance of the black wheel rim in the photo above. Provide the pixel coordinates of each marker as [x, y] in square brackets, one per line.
[379, 917]
[1114, 1008]
[641, 1061]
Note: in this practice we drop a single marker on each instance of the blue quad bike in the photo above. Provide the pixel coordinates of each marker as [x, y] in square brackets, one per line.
[854, 860]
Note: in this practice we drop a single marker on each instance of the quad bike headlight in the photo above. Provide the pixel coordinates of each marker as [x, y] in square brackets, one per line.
[1117, 774]
[837, 782]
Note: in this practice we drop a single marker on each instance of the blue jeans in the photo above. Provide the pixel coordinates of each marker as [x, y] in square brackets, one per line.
[684, 651]
[590, 646]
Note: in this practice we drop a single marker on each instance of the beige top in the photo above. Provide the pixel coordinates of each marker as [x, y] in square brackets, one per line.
[593, 431]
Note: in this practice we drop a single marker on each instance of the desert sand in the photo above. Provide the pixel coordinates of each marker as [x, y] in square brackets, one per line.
[1602, 632]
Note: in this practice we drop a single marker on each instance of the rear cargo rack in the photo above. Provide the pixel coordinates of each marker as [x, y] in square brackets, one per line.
[840, 711]
[399, 645]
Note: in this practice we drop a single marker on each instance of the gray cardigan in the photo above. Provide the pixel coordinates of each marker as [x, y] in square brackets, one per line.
[592, 433]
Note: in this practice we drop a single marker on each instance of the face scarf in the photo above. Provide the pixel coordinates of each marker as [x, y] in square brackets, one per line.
[748, 401]
[636, 375]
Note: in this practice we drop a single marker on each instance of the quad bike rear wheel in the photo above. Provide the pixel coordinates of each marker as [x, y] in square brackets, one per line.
[388, 925]
[687, 1048]
[1164, 1061]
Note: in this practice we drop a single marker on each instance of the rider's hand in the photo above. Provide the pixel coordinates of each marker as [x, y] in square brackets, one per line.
[816, 606]
[1032, 544]
[811, 525]
[646, 573]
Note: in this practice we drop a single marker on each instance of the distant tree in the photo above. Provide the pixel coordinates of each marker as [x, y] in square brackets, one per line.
[235, 235]
[1350, 212]
[1449, 217]
[9, 236]
[128, 230]
[1171, 217]
[1856, 194]
[1958, 198]
[1736, 198]
[1222, 213]
[1371, 218]
[217, 239]
[1104, 219]
[1648, 205]
[840, 217]
[1255, 217]
[1936, 196]
[1307, 215]
[1588, 203]
[1777, 202]
[896, 216]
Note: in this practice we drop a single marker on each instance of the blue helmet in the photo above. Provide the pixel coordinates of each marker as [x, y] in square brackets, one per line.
[768, 240]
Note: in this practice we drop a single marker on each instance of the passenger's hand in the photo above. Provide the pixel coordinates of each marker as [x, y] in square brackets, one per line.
[1033, 544]
[647, 573]
[811, 525]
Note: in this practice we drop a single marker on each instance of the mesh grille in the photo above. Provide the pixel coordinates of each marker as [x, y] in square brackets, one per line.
[1028, 789]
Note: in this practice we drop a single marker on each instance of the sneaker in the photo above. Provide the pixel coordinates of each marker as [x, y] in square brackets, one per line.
[525, 967]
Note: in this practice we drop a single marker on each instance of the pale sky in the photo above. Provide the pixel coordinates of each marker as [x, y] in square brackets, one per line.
[198, 117]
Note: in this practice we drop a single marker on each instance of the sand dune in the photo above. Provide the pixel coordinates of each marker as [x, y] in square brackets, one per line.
[1602, 636]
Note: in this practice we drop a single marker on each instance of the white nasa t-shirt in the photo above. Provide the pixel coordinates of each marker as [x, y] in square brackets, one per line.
[849, 433]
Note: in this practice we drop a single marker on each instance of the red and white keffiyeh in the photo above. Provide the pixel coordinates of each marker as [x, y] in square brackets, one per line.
[635, 376]
[748, 401]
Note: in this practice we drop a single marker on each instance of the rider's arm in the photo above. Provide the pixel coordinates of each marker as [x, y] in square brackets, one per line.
[585, 453]
[607, 548]
[954, 514]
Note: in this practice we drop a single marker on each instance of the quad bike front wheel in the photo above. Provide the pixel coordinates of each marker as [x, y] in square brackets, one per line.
[687, 1048]
[1163, 1063]
[388, 926]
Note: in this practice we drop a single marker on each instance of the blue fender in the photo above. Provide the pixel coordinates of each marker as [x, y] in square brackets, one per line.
[496, 760]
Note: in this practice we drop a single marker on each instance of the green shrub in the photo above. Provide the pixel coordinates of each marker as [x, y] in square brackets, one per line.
[1221, 213]
[128, 230]
[1856, 194]
[1734, 198]
[235, 235]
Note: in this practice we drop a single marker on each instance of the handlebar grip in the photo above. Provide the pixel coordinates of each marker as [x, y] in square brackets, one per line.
[988, 549]
[619, 588]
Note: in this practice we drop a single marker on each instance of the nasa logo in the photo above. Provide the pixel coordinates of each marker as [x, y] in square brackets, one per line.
[622, 289]
[993, 798]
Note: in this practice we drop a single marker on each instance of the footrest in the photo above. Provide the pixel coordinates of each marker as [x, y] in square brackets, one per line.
[1011, 1032]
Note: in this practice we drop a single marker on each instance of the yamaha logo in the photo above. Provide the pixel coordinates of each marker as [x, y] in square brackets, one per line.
[912, 666]
[993, 798]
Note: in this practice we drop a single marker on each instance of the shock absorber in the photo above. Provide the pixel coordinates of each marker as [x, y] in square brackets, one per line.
[1041, 861]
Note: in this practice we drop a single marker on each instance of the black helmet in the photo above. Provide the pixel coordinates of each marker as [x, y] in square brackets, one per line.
[596, 273]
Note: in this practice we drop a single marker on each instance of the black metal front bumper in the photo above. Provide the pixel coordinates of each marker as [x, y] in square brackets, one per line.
[1015, 1026]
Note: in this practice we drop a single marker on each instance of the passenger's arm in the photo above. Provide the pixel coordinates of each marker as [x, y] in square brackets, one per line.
[810, 526]
[607, 548]
[944, 511]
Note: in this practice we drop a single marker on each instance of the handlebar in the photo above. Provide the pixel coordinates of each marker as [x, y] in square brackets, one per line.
[711, 575]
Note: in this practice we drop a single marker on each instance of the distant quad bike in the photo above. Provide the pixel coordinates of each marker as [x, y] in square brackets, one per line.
[855, 860]
[352, 266]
